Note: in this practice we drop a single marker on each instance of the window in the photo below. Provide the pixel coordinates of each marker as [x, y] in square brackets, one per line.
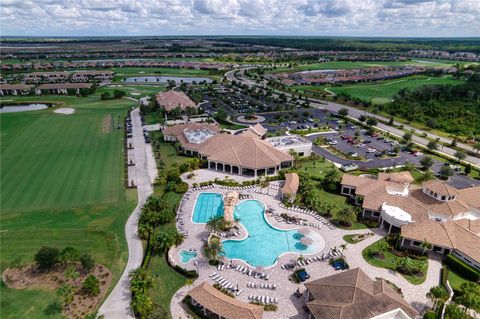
[416, 243]
[435, 194]
[443, 198]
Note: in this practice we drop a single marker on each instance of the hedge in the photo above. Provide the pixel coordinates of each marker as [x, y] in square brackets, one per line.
[462, 268]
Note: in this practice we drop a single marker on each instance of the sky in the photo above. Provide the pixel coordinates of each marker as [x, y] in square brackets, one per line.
[376, 18]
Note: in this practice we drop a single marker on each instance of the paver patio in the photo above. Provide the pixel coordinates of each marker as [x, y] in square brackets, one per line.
[289, 305]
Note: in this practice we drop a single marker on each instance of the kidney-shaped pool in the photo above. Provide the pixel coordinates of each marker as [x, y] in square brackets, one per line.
[264, 242]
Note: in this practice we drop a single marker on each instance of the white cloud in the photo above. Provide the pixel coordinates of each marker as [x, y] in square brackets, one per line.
[295, 17]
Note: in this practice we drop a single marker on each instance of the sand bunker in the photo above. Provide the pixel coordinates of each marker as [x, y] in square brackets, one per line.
[65, 110]
[136, 93]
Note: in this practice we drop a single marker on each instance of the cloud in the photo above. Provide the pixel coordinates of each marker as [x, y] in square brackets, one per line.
[285, 17]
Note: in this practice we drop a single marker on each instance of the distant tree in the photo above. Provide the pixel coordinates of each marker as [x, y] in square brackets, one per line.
[468, 169]
[117, 94]
[105, 96]
[87, 262]
[68, 254]
[362, 118]
[91, 285]
[426, 162]
[343, 111]
[46, 258]
[476, 147]
[371, 121]
[445, 172]
[460, 155]
[72, 273]
[407, 137]
[66, 293]
[409, 166]
[432, 145]
[428, 175]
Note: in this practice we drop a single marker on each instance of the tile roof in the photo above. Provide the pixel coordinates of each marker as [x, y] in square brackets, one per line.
[258, 129]
[172, 99]
[398, 177]
[223, 305]
[353, 295]
[178, 132]
[441, 188]
[291, 183]
[462, 235]
[60, 86]
[15, 86]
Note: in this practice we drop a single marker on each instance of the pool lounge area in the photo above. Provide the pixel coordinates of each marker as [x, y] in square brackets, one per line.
[264, 243]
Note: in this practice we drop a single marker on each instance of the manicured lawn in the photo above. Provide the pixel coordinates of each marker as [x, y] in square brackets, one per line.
[169, 156]
[381, 92]
[122, 73]
[135, 91]
[391, 261]
[316, 168]
[62, 184]
[455, 279]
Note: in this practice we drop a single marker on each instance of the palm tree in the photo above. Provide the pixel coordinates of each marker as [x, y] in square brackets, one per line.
[428, 175]
[141, 281]
[437, 293]
[214, 224]
[142, 304]
[214, 249]
[163, 241]
[343, 247]
[425, 245]
[347, 216]
[407, 264]
[72, 273]
[145, 231]
[66, 293]
[470, 296]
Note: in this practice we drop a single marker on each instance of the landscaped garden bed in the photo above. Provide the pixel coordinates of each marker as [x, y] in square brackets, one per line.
[382, 254]
[356, 238]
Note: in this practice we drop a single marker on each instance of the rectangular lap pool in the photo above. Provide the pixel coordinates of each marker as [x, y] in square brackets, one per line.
[208, 205]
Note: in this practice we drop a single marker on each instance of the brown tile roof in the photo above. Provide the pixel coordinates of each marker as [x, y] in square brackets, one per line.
[462, 235]
[239, 150]
[441, 188]
[223, 305]
[355, 181]
[398, 177]
[258, 129]
[243, 151]
[353, 295]
[249, 134]
[471, 196]
[172, 99]
[15, 86]
[448, 209]
[59, 86]
[291, 183]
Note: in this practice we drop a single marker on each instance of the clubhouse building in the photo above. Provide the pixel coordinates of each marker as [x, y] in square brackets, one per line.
[353, 295]
[245, 154]
[172, 100]
[435, 212]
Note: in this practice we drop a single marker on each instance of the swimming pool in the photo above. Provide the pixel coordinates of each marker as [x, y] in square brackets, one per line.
[186, 255]
[207, 206]
[264, 242]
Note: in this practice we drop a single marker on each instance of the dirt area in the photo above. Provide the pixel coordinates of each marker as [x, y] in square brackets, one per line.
[83, 304]
[107, 126]
[64, 111]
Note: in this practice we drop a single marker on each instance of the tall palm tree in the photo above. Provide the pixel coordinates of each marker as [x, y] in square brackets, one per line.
[347, 216]
[145, 231]
[214, 249]
[428, 175]
[142, 304]
[214, 224]
[163, 241]
[437, 293]
[141, 281]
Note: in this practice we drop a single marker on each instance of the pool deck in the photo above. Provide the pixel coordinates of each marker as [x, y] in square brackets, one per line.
[289, 306]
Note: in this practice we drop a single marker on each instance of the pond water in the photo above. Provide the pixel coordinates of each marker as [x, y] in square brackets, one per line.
[22, 108]
[165, 79]
[317, 71]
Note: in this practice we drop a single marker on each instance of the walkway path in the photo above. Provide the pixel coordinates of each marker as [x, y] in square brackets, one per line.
[117, 304]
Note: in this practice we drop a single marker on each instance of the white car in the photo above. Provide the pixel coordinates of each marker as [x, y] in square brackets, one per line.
[417, 153]
[371, 150]
[332, 142]
[360, 145]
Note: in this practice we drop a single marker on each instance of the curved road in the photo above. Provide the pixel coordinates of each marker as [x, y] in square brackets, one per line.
[355, 114]
[117, 304]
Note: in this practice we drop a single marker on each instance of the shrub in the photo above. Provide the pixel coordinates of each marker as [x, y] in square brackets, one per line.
[87, 262]
[46, 258]
[187, 273]
[91, 285]
[430, 315]
[462, 268]
[181, 188]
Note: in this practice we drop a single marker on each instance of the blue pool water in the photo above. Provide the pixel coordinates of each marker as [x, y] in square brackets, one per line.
[264, 242]
[187, 255]
[207, 206]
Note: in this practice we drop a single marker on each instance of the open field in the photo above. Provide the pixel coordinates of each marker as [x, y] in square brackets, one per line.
[62, 184]
[122, 73]
[381, 92]
[135, 91]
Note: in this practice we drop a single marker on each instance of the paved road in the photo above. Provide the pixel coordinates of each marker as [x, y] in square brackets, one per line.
[117, 304]
[355, 113]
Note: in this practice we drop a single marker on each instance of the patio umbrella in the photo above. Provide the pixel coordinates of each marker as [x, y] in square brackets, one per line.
[306, 241]
[304, 231]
